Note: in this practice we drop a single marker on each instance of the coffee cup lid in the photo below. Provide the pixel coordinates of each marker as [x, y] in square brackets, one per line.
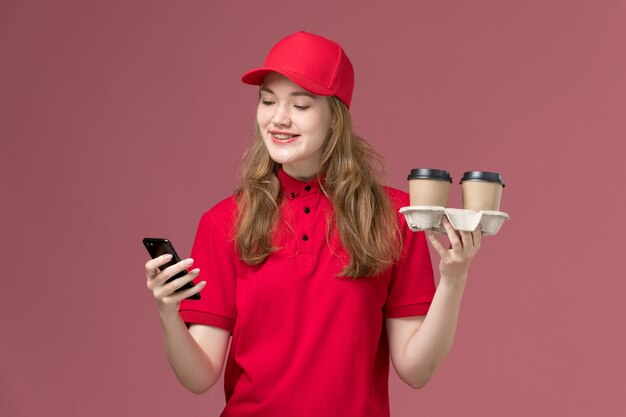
[482, 176]
[429, 174]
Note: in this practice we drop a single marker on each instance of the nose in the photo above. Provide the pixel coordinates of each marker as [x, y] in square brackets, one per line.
[281, 117]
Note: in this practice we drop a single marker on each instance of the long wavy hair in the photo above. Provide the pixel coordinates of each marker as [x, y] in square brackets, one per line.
[364, 217]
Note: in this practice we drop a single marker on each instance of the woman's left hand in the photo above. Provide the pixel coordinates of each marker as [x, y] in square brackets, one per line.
[455, 261]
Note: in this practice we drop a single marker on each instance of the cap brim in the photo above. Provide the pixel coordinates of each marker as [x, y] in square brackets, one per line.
[255, 77]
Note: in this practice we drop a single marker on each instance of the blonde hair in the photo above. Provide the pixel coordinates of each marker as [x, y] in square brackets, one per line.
[364, 217]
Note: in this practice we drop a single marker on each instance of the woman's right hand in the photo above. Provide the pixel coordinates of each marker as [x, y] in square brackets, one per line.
[166, 298]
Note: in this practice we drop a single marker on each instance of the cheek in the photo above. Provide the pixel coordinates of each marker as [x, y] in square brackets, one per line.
[262, 116]
[323, 127]
[317, 125]
[325, 122]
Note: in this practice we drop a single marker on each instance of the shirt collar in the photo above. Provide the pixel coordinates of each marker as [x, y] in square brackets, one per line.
[293, 187]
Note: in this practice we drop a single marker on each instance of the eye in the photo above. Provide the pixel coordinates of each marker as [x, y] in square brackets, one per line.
[267, 102]
[301, 107]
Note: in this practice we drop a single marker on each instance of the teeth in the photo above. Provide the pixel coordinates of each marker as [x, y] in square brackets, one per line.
[278, 136]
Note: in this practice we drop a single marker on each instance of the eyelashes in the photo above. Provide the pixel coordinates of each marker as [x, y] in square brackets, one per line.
[269, 103]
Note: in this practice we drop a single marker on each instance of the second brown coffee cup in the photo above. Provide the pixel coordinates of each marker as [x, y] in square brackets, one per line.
[429, 187]
[482, 190]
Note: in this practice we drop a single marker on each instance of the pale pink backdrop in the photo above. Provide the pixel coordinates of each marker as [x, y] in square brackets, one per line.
[125, 119]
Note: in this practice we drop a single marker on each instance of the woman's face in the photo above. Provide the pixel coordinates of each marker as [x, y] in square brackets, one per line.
[294, 125]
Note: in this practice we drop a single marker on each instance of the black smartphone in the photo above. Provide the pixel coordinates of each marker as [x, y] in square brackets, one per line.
[157, 247]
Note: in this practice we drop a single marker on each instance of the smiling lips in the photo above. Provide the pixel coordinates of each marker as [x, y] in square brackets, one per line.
[283, 137]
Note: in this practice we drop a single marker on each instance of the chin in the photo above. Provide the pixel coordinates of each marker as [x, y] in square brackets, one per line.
[280, 159]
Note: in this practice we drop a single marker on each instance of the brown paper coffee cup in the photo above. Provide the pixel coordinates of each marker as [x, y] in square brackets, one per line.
[429, 187]
[482, 190]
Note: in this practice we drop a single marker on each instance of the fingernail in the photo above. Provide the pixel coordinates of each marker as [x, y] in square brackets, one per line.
[167, 256]
[189, 262]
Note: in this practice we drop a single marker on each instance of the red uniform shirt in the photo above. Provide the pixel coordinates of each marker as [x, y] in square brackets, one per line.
[304, 342]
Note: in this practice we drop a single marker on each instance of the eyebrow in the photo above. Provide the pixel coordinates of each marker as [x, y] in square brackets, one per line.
[294, 94]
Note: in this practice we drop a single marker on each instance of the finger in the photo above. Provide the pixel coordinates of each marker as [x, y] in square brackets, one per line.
[151, 281]
[436, 244]
[180, 296]
[467, 239]
[174, 285]
[170, 271]
[455, 243]
[477, 236]
[151, 274]
[169, 288]
[154, 264]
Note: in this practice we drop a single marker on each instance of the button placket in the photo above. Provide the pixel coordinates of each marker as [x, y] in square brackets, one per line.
[309, 201]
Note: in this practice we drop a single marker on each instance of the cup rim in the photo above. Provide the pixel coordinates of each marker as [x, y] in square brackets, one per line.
[429, 174]
[483, 176]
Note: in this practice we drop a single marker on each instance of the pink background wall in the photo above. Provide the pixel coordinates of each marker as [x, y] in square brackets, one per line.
[122, 119]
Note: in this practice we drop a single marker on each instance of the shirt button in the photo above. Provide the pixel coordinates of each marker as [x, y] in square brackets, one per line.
[307, 210]
[292, 195]
[307, 188]
[305, 238]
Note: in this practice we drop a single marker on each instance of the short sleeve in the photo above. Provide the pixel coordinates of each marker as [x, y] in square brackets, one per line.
[214, 253]
[412, 283]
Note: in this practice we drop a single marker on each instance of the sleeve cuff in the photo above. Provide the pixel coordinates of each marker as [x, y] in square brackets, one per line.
[210, 319]
[410, 310]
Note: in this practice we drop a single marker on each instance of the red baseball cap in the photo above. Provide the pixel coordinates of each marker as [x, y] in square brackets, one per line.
[315, 63]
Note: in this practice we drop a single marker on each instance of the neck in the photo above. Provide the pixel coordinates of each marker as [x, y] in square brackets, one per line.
[305, 174]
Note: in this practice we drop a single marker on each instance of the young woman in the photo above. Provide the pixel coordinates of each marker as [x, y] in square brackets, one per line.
[309, 265]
